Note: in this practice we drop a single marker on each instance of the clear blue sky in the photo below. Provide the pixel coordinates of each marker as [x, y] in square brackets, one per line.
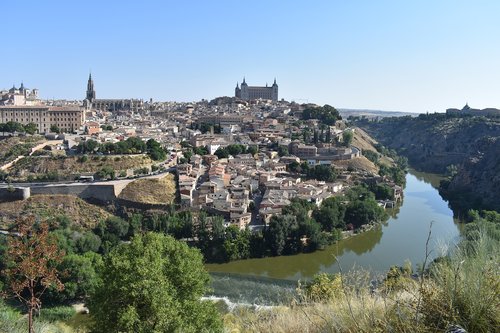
[402, 55]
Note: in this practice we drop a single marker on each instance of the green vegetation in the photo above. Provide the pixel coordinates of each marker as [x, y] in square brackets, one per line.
[13, 321]
[132, 145]
[326, 114]
[12, 126]
[319, 172]
[371, 155]
[283, 151]
[347, 137]
[153, 284]
[55, 129]
[235, 149]
[57, 313]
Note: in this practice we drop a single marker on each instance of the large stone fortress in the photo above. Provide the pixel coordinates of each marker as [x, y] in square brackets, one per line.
[247, 92]
[108, 104]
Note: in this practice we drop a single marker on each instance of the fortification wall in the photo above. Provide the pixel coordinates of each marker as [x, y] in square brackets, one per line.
[100, 192]
[9, 193]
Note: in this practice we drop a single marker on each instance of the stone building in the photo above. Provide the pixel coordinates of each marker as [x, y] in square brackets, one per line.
[19, 96]
[247, 92]
[68, 119]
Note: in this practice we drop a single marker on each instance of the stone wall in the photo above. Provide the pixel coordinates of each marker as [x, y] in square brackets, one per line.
[10, 193]
[100, 192]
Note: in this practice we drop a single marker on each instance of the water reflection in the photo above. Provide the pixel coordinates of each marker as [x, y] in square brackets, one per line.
[401, 238]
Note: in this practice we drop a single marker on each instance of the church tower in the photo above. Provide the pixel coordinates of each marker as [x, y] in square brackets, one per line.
[275, 91]
[244, 93]
[90, 89]
[237, 91]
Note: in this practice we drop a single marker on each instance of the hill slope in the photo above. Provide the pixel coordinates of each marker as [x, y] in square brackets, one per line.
[44, 207]
[439, 143]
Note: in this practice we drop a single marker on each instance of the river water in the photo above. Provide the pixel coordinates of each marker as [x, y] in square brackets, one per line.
[403, 237]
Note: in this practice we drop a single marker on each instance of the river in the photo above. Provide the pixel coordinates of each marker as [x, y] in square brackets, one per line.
[403, 237]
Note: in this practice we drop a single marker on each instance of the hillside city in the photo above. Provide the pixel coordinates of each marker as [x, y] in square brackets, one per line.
[238, 158]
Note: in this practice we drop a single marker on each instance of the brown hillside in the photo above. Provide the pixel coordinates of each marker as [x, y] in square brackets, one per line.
[358, 164]
[45, 207]
[151, 190]
[363, 141]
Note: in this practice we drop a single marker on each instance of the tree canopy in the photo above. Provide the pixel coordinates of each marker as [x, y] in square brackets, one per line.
[153, 284]
[327, 114]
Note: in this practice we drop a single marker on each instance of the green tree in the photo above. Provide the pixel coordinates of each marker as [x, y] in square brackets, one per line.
[80, 277]
[31, 128]
[282, 151]
[347, 137]
[252, 150]
[322, 172]
[221, 152]
[155, 151]
[107, 172]
[11, 126]
[277, 232]
[154, 284]
[331, 214]
[361, 212]
[88, 242]
[55, 129]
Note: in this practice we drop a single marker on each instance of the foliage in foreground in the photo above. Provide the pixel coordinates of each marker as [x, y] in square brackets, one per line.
[153, 284]
[12, 321]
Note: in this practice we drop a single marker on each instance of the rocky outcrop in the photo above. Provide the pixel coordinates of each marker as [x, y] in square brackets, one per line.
[477, 182]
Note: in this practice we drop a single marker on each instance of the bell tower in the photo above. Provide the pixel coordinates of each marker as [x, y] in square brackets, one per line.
[90, 89]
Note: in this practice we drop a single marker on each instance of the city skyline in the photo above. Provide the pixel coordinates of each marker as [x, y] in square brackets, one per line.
[386, 55]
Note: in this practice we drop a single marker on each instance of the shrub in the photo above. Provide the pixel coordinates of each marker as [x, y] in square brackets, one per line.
[322, 288]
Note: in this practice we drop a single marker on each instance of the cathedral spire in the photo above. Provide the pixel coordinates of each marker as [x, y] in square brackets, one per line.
[90, 89]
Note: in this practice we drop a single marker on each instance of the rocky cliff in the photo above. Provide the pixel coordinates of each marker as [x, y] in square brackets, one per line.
[465, 148]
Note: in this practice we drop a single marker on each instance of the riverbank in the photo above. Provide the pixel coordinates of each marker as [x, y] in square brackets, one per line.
[399, 239]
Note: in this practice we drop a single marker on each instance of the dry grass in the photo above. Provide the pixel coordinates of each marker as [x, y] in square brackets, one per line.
[44, 207]
[151, 190]
[359, 163]
[363, 141]
[71, 165]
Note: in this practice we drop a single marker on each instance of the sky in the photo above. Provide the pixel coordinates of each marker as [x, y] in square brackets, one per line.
[413, 56]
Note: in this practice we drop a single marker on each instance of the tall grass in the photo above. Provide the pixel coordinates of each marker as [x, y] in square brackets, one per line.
[460, 289]
[12, 321]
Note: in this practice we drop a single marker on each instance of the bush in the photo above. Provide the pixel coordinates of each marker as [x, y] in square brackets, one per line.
[322, 288]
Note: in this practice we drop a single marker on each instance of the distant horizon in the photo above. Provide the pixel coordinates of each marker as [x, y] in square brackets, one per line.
[416, 57]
